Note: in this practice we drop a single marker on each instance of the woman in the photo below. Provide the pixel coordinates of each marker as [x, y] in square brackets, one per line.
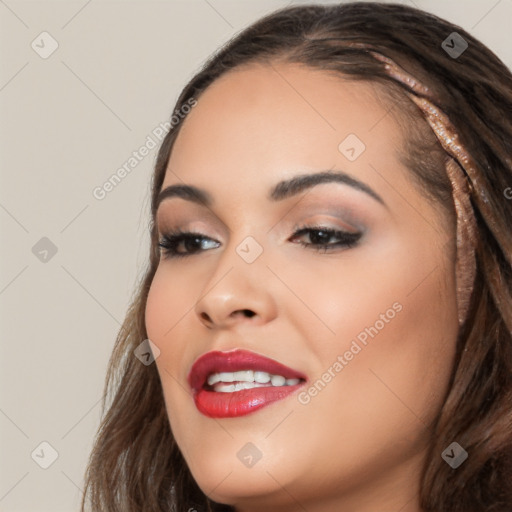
[328, 298]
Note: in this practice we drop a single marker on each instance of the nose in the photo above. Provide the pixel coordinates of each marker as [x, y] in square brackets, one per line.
[237, 292]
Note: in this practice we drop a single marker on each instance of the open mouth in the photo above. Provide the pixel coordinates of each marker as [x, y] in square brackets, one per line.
[238, 382]
[228, 382]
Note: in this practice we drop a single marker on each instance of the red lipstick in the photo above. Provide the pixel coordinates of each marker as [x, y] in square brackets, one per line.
[229, 404]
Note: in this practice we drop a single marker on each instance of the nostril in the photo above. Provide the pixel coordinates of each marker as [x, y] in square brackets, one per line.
[243, 312]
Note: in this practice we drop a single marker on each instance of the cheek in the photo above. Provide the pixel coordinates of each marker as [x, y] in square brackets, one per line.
[169, 300]
[396, 288]
[381, 376]
[370, 410]
[169, 305]
[162, 317]
[158, 307]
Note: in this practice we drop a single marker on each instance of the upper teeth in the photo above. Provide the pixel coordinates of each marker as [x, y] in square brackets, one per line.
[244, 377]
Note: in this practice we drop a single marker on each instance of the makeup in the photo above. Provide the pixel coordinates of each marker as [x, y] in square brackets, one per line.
[239, 382]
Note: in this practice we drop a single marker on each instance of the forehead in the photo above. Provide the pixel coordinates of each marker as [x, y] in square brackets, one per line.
[264, 120]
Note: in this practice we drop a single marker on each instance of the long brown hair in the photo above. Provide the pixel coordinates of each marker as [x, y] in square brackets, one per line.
[136, 464]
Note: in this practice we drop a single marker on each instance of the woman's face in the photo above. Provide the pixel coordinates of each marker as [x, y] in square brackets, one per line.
[370, 324]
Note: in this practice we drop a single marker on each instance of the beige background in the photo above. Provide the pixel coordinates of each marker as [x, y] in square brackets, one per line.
[69, 121]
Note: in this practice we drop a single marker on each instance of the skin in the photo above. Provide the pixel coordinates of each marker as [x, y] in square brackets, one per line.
[359, 444]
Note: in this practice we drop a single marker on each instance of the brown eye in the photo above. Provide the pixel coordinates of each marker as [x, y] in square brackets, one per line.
[192, 243]
[320, 237]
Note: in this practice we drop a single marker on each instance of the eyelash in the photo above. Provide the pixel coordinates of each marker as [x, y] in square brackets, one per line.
[171, 240]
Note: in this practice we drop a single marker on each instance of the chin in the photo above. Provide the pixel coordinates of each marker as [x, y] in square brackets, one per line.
[225, 475]
[228, 484]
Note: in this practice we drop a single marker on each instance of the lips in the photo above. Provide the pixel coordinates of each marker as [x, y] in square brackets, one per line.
[218, 404]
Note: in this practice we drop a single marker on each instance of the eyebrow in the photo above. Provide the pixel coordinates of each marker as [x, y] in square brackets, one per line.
[283, 189]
